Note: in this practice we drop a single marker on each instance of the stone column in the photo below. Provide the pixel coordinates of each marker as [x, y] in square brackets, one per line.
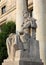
[39, 13]
[20, 8]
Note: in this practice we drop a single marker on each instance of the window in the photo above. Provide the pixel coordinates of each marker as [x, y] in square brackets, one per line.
[3, 9]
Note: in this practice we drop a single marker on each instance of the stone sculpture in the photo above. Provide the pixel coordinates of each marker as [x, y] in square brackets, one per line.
[22, 41]
[23, 45]
[11, 46]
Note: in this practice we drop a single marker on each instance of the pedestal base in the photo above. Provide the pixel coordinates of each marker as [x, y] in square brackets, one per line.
[30, 63]
[11, 63]
[22, 62]
[20, 59]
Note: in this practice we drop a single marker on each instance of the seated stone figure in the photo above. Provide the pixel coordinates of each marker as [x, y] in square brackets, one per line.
[11, 46]
[29, 41]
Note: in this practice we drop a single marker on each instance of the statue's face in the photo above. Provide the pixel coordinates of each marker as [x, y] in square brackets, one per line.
[26, 31]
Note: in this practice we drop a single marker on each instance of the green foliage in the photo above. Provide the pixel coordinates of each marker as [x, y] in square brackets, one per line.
[8, 28]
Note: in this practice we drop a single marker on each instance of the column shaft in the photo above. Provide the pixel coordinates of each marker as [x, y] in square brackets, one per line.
[39, 13]
[20, 8]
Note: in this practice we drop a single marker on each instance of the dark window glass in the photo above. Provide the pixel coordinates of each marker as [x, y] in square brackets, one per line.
[3, 9]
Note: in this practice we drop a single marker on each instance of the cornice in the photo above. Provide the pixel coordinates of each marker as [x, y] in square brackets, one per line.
[2, 3]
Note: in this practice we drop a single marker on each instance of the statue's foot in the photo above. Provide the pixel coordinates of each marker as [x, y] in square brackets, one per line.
[8, 59]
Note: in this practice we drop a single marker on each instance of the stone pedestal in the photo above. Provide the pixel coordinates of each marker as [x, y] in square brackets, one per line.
[22, 58]
[30, 63]
[22, 62]
[10, 63]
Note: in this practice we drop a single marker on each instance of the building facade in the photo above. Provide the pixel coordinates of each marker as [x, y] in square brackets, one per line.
[7, 10]
[37, 9]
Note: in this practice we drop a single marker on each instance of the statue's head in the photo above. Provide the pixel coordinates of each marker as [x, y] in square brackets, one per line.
[26, 30]
[25, 14]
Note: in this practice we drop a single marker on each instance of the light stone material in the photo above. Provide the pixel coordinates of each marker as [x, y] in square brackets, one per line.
[33, 47]
[39, 13]
[27, 52]
[11, 46]
[15, 61]
[20, 9]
